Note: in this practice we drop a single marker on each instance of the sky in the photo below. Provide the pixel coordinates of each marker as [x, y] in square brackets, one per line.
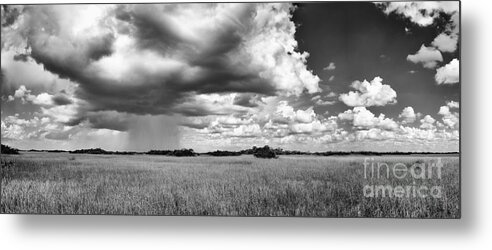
[339, 76]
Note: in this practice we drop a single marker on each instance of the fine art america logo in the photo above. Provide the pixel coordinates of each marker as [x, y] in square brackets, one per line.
[420, 179]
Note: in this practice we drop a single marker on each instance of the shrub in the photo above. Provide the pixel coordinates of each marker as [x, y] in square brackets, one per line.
[184, 152]
[177, 152]
[265, 152]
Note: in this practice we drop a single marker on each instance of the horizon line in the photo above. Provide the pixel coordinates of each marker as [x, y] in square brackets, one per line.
[300, 151]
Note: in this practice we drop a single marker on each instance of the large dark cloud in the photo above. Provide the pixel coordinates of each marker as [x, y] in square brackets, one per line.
[153, 59]
[157, 92]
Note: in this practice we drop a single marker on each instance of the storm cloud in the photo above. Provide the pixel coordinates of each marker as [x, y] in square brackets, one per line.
[149, 59]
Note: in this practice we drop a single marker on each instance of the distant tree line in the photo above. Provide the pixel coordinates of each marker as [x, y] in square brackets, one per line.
[224, 153]
[95, 151]
[260, 152]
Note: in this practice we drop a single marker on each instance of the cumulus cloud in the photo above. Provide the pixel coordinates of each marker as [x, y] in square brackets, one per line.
[408, 115]
[419, 134]
[450, 118]
[24, 94]
[361, 118]
[273, 119]
[427, 122]
[44, 99]
[15, 127]
[247, 130]
[452, 104]
[373, 93]
[449, 73]
[422, 13]
[374, 134]
[288, 113]
[316, 126]
[445, 42]
[367, 127]
[60, 106]
[427, 56]
[285, 126]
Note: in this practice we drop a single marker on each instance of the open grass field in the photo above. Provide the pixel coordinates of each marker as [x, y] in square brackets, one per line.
[62, 183]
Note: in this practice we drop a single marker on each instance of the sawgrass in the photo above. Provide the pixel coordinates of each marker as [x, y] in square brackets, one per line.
[59, 183]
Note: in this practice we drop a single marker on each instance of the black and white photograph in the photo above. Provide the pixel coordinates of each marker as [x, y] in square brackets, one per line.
[257, 109]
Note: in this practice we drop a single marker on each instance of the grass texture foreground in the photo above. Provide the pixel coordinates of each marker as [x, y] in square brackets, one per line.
[61, 183]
